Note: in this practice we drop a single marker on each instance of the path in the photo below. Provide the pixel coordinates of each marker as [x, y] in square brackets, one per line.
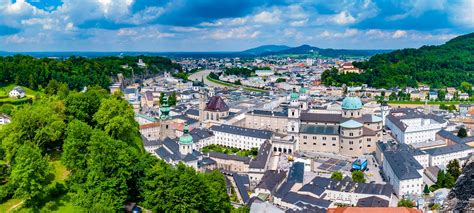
[13, 207]
[198, 76]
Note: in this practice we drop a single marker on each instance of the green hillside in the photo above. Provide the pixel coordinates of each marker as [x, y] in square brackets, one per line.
[446, 65]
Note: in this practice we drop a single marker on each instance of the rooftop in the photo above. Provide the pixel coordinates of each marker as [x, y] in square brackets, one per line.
[254, 133]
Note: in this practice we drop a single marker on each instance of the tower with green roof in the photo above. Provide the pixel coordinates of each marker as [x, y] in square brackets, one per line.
[294, 115]
[185, 142]
[165, 123]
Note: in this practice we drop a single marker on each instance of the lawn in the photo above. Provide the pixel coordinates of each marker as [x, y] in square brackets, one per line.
[431, 102]
[251, 89]
[4, 207]
[4, 90]
[60, 172]
[29, 95]
[230, 151]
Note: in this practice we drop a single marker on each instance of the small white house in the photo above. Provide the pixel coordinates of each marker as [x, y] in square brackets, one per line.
[17, 92]
[4, 119]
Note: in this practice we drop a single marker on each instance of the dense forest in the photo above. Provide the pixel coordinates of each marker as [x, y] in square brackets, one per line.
[76, 72]
[94, 138]
[446, 65]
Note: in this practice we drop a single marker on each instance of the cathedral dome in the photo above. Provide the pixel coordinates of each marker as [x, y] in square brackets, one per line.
[351, 103]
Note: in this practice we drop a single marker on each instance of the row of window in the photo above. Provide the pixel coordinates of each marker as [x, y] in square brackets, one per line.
[314, 138]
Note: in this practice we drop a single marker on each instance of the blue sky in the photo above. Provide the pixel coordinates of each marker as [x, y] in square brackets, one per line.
[228, 25]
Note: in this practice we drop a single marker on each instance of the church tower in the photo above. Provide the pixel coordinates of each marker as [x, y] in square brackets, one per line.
[165, 122]
[294, 115]
[185, 142]
[202, 106]
[304, 98]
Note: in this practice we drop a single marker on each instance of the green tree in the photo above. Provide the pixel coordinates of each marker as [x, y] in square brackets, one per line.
[75, 152]
[116, 117]
[405, 203]
[41, 124]
[453, 168]
[358, 176]
[172, 99]
[462, 133]
[30, 175]
[162, 97]
[279, 80]
[336, 175]
[426, 190]
[440, 179]
[449, 181]
[466, 87]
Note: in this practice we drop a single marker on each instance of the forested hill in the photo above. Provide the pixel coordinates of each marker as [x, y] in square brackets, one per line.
[76, 72]
[445, 65]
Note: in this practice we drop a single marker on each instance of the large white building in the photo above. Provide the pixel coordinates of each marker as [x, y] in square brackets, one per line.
[239, 137]
[403, 172]
[410, 126]
[441, 156]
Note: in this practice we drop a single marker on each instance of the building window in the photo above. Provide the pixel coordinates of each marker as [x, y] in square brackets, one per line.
[368, 139]
[324, 138]
[333, 144]
[314, 143]
[324, 144]
[333, 138]
[305, 137]
[368, 145]
[350, 148]
[314, 137]
[351, 134]
[350, 142]
[304, 143]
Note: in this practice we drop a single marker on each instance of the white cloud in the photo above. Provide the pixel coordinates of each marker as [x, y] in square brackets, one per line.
[463, 13]
[344, 18]
[299, 23]
[15, 39]
[266, 17]
[399, 34]
[126, 32]
[235, 33]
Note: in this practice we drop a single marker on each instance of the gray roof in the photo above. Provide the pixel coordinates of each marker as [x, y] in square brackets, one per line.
[282, 113]
[147, 142]
[254, 133]
[19, 89]
[409, 113]
[457, 147]
[295, 198]
[372, 201]
[263, 152]
[320, 117]
[218, 155]
[296, 174]
[242, 181]
[319, 184]
[319, 129]
[451, 136]
[193, 112]
[403, 164]
[199, 134]
[271, 179]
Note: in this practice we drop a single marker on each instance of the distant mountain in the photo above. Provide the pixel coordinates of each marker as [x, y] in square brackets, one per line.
[265, 48]
[446, 65]
[307, 49]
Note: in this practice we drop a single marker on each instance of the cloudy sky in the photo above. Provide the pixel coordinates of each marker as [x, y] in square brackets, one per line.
[228, 25]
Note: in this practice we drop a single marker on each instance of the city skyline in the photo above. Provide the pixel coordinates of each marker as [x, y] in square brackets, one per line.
[138, 25]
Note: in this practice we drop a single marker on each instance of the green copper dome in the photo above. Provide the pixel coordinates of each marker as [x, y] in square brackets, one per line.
[303, 90]
[294, 95]
[186, 138]
[351, 103]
